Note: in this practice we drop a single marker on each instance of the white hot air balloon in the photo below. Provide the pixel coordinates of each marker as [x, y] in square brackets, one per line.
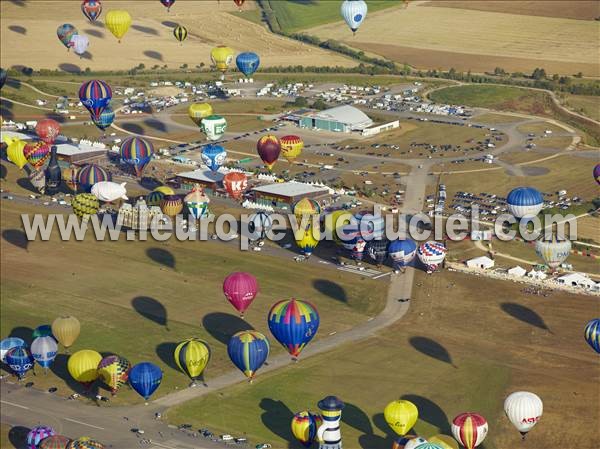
[414, 443]
[524, 410]
[553, 252]
[431, 254]
[44, 350]
[354, 13]
[80, 43]
[109, 191]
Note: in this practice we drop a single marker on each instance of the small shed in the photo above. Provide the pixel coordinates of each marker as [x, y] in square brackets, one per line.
[482, 262]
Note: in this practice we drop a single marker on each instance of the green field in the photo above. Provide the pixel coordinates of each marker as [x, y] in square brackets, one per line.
[585, 105]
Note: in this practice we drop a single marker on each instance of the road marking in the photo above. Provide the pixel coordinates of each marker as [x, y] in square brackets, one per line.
[15, 405]
[382, 275]
[84, 424]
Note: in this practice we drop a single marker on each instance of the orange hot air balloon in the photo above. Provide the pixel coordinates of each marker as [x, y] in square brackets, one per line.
[235, 183]
[48, 130]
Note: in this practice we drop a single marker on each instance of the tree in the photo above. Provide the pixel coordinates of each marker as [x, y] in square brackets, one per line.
[319, 104]
[300, 102]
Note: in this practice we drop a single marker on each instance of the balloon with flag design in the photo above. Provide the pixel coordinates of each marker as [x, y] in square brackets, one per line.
[469, 429]
[431, 254]
[293, 323]
[235, 183]
[248, 351]
[95, 95]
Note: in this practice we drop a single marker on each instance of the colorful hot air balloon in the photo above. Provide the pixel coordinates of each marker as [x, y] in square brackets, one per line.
[197, 202]
[19, 360]
[91, 9]
[3, 76]
[118, 22]
[165, 190]
[377, 250]
[198, 111]
[306, 207]
[85, 443]
[524, 202]
[114, 371]
[90, 174]
[291, 147]
[592, 334]
[145, 378]
[469, 429]
[66, 328]
[55, 442]
[247, 63]
[45, 330]
[180, 33]
[401, 416]
[597, 173]
[14, 151]
[106, 118]
[239, 3]
[7, 344]
[408, 442]
[69, 176]
[304, 427]
[553, 252]
[213, 156]
[259, 224]
[293, 323]
[80, 43]
[431, 254]
[444, 441]
[221, 57]
[214, 126]
[167, 4]
[154, 198]
[47, 130]
[402, 252]
[268, 148]
[85, 205]
[36, 153]
[308, 240]
[37, 434]
[95, 95]
[240, 289]
[523, 409]
[354, 13]
[426, 445]
[44, 350]
[83, 366]
[235, 183]
[65, 32]
[248, 351]
[136, 152]
[192, 356]
[171, 205]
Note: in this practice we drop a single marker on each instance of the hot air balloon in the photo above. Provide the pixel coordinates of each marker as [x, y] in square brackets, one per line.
[426, 445]
[235, 183]
[372, 226]
[44, 350]
[402, 252]
[19, 360]
[293, 323]
[91, 9]
[377, 250]
[444, 441]
[37, 434]
[83, 366]
[55, 442]
[335, 221]
[291, 147]
[171, 205]
[85, 443]
[214, 156]
[259, 224]
[154, 198]
[306, 207]
[352, 241]
[524, 202]
[90, 174]
[304, 427]
[145, 378]
[165, 190]
[47, 130]
[469, 429]
[114, 371]
[248, 351]
[65, 32]
[95, 95]
[221, 57]
[80, 43]
[268, 148]
[192, 356]
[118, 22]
[7, 344]
[308, 240]
[354, 13]
[247, 63]
[66, 328]
[38, 179]
[136, 152]
[69, 176]
[167, 4]
[214, 126]
[592, 334]
[401, 416]
[197, 202]
[431, 254]
[36, 154]
[14, 151]
[106, 118]
[523, 409]
[45, 330]
[85, 205]
[597, 173]
[180, 33]
[3, 76]
[408, 442]
[109, 191]
[553, 252]
[198, 111]
[239, 3]
[240, 289]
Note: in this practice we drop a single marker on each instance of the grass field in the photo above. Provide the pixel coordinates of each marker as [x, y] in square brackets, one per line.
[440, 360]
[539, 128]
[491, 118]
[585, 105]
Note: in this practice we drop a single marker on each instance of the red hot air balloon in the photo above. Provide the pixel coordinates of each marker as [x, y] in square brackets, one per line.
[268, 148]
[239, 3]
[240, 289]
[48, 130]
[235, 183]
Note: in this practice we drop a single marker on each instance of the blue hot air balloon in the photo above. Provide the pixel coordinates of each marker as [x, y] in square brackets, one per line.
[293, 323]
[247, 63]
[145, 378]
[402, 252]
[354, 13]
[214, 156]
[592, 334]
[7, 344]
[95, 95]
[351, 239]
[44, 350]
[524, 202]
[248, 350]
[106, 118]
[19, 360]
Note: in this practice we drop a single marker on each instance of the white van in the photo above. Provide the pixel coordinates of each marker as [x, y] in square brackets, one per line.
[226, 437]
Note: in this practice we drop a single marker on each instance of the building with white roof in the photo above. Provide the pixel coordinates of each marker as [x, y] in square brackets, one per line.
[208, 179]
[284, 194]
[577, 280]
[482, 262]
[344, 118]
[517, 271]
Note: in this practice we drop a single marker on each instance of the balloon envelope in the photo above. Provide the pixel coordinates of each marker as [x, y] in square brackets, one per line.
[55, 442]
[91, 9]
[171, 205]
[247, 63]
[80, 43]
[180, 33]
[592, 334]
[240, 289]
[95, 95]
[118, 22]
[259, 224]
[44, 350]
[84, 205]
[235, 183]
[431, 254]
[294, 324]
[214, 156]
[14, 151]
[524, 202]
[66, 328]
[597, 173]
[291, 147]
[248, 351]
[36, 153]
[47, 130]
[523, 409]
[136, 152]
[268, 148]
[37, 434]
[192, 356]
[90, 174]
[145, 378]
[401, 416]
[114, 371]
[354, 13]
[7, 344]
[65, 32]
[304, 427]
[221, 57]
[83, 366]
[469, 429]
[106, 118]
[197, 202]
[402, 252]
[214, 126]
[3, 76]
[109, 191]
[19, 360]
[553, 252]
[198, 111]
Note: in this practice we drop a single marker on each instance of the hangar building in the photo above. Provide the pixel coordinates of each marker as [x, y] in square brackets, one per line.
[284, 194]
[343, 118]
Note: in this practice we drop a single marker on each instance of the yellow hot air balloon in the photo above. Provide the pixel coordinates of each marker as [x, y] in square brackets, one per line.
[336, 220]
[291, 147]
[401, 416]
[118, 22]
[308, 241]
[192, 356]
[221, 57]
[14, 152]
[165, 190]
[444, 441]
[66, 330]
[83, 366]
[197, 111]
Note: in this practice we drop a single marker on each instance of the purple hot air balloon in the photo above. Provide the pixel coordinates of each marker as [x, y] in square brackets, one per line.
[95, 95]
[268, 148]
[37, 434]
[597, 173]
[240, 289]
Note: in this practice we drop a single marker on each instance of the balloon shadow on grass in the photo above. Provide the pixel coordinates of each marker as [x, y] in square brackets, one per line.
[69, 68]
[157, 125]
[4, 111]
[95, 33]
[430, 412]
[276, 417]
[221, 326]
[169, 24]
[372, 441]
[60, 370]
[18, 29]
[154, 55]
[144, 29]
[355, 417]
[161, 256]
[331, 289]
[17, 435]
[26, 184]
[86, 55]
[20, 3]
[14, 83]
[165, 352]
[431, 349]
[3, 171]
[133, 128]
[524, 314]
[16, 237]
[22, 332]
[151, 309]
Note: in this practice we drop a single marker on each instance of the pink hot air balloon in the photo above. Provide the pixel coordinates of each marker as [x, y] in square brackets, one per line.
[240, 290]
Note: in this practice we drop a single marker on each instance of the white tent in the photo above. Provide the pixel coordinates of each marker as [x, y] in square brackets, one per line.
[577, 280]
[540, 275]
[482, 262]
[517, 271]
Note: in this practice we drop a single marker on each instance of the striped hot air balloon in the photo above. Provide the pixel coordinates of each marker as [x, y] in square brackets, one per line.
[95, 95]
[136, 152]
[19, 360]
[85, 443]
[248, 351]
[305, 425]
[180, 33]
[469, 429]
[592, 334]
[154, 198]
[192, 356]
[291, 147]
[294, 324]
[90, 174]
[106, 118]
[37, 434]
[7, 344]
[171, 205]
[55, 442]
[114, 371]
